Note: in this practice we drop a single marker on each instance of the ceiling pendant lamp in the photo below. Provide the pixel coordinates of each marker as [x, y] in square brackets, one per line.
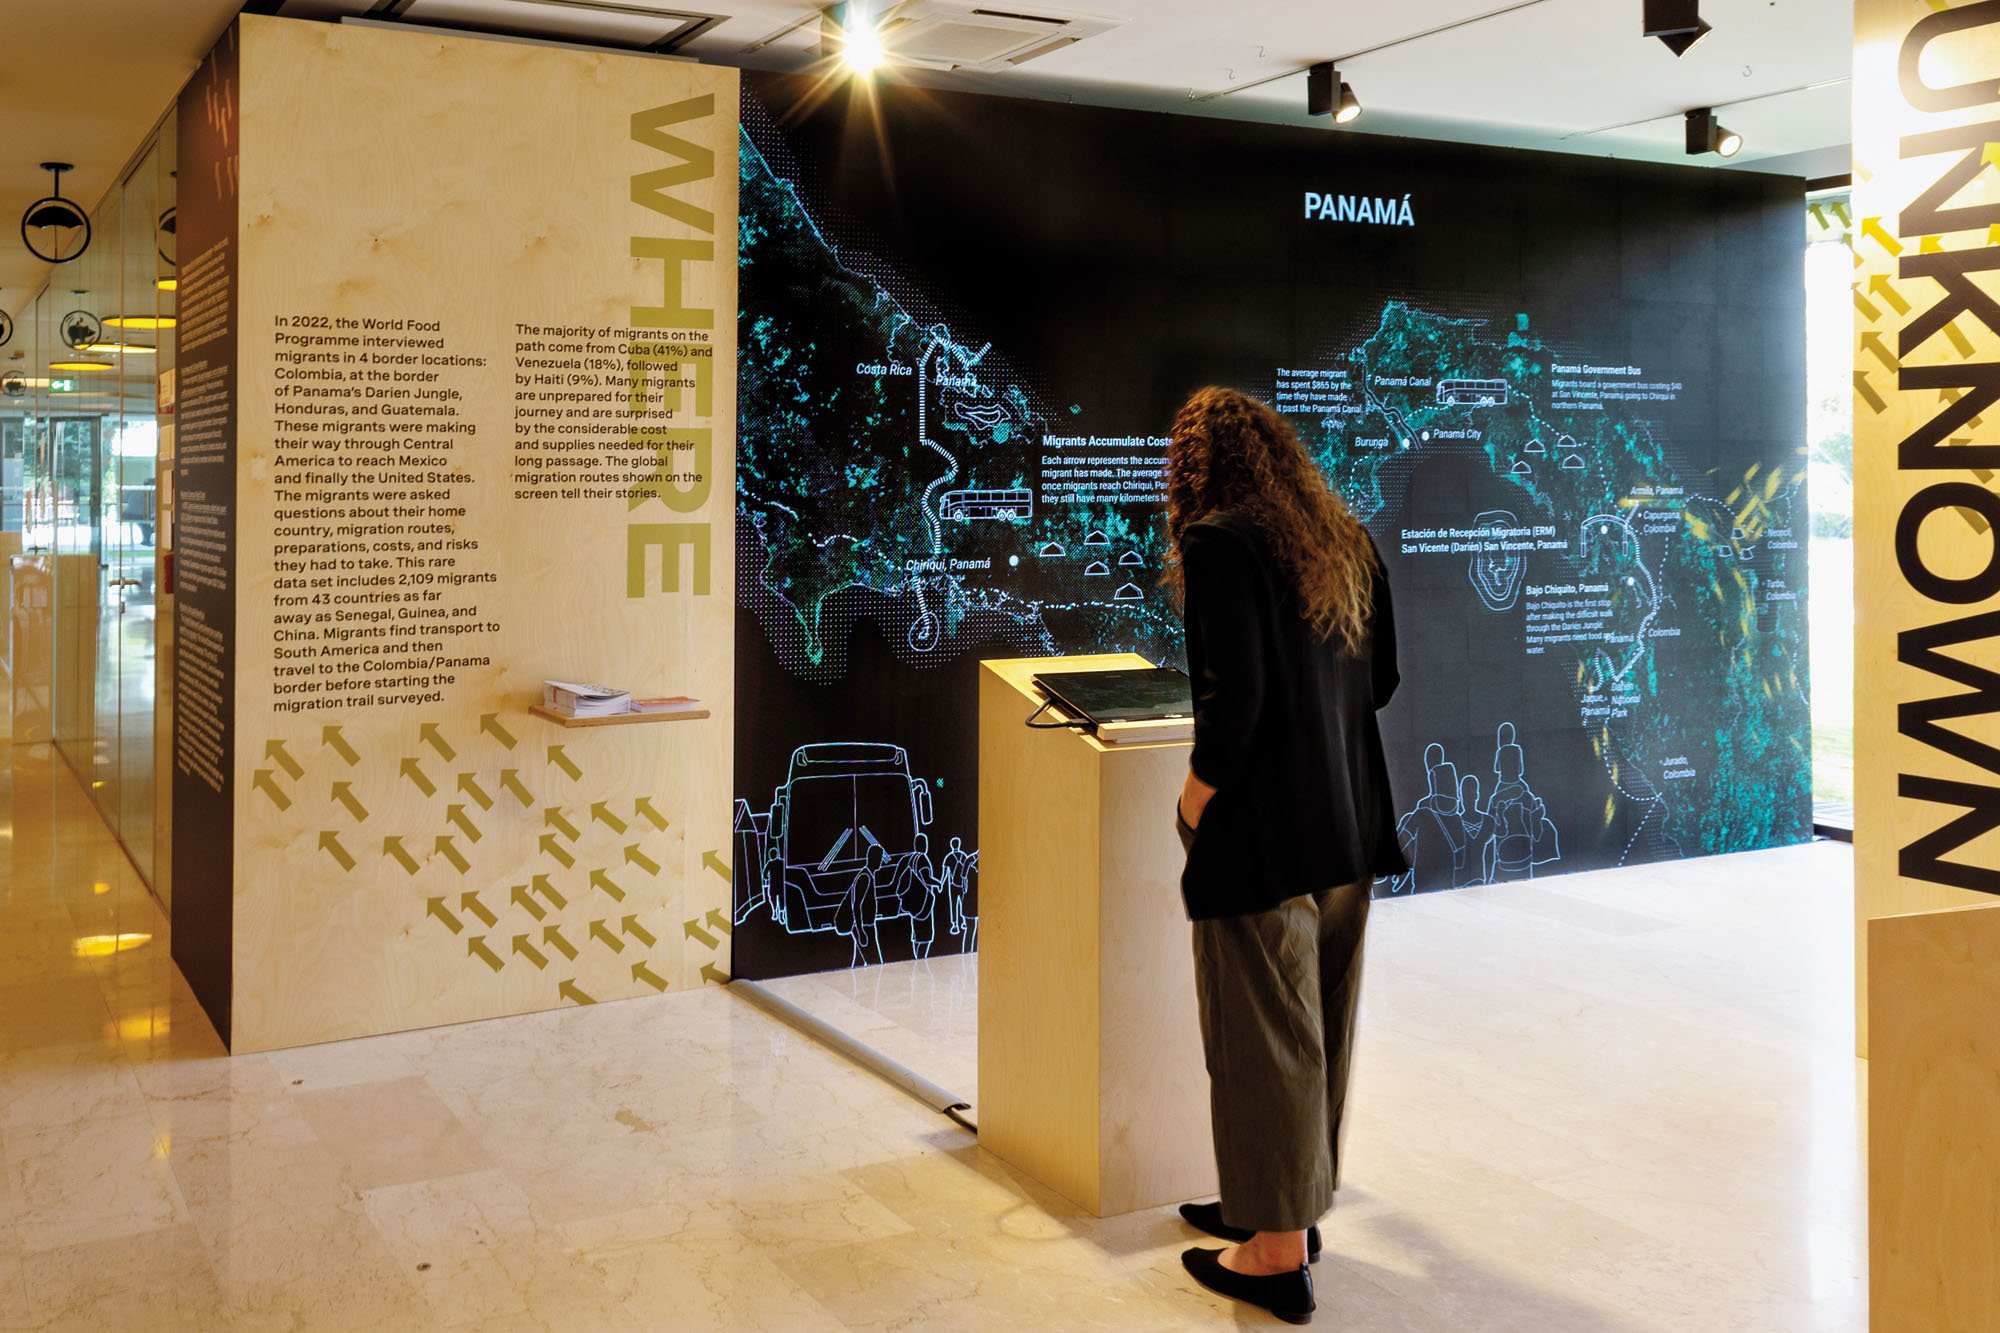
[64, 226]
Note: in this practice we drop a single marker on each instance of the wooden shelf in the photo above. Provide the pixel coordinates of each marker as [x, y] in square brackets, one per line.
[617, 719]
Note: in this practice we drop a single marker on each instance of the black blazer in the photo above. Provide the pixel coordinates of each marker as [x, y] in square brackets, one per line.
[1284, 730]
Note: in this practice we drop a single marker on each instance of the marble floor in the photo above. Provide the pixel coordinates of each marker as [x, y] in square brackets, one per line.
[1600, 1103]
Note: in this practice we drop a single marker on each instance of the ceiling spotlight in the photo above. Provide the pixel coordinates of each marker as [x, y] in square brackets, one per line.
[855, 39]
[1328, 95]
[1677, 23]
[1706, 134]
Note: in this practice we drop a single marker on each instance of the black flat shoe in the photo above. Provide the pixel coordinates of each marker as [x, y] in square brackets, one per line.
[1208, 1217]
[1286, 1295]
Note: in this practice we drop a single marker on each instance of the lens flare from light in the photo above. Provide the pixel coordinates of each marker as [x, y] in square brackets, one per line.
[861, 49]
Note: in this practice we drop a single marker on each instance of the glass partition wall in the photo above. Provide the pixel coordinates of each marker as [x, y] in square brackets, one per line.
[80, 483]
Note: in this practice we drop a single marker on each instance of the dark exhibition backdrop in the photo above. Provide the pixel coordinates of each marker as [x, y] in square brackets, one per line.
[1566, 394]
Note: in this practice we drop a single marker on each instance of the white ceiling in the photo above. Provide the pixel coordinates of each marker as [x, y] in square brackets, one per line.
[1569, 75]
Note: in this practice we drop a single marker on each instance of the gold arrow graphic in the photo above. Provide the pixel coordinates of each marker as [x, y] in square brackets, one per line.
[331, 736]
[510, 779]
[643, 808]
[519, 894]
[633, 856]
[601, 812]
[640, 972]
[713, 974]
[469, 902]
[1840, 211]
[541, 885]
[435, 907]
[1873, 344]
[470, 786]
[600, 880]
[569, 991]
[329, 842]
[1869, 311]
[344, 793]
[1867, 392]
[719, 921]
[266, 784]
[275, 751]
[554, 847]
[394, 847]
[553, 937]
[694, 931]
[530, 952]
[1873, 228]
[428, 734]
[553, 817]
[449, 851]
[597, 929]
[1881, 286]
[713, 862]
[415, 773]
[1958, 338]
[490, 724]
[630, 925]
[455, 814]
[560, 759]
[475, 945]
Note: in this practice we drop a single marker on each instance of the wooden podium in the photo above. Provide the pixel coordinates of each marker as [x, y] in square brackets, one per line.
[1091, 1077]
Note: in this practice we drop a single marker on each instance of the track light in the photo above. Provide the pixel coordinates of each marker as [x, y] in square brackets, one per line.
[1706, 134]
[1328, 95]
[1677, 23]
[851, 34]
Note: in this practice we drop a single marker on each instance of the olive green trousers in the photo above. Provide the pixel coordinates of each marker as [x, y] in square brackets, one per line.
[1278, 992]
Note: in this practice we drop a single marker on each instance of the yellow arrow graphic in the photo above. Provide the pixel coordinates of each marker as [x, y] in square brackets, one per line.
[526, 901]
[554, 848]
[643, 808]
[469, 902]
[600, 880]
[470, 786]
[1958, 338]
[329, 842]
[553, 817]
[719, 921]
[475, 945]
[693, 931]
[530, 952]
[541, 885]
[275, 751]
[601, 812]
[510, 780]
[599, 931]
[331, 736]
[344, 793]
[393, 846]
[455, 814]
[553, 937]
[428, 734]
[640, 972]
[635, 857]
[489, 723]
[1881, 286]
[435, 907]
[711, 861]
[266, 784]
[560, 759]
[1867, 392]
[1869, 311]
[414, 771]
[630, 925]
[714, 975]
[569, 992]
[1875, 231]
[1872, 344]
[449, 851]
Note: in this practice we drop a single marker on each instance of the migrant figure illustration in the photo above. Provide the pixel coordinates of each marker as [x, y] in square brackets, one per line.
[843, 850]
[1454, 840]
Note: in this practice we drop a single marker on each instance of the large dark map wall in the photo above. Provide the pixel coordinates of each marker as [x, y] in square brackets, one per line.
[1566, 395]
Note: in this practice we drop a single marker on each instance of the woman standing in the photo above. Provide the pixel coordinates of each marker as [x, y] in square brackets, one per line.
[1287, 819]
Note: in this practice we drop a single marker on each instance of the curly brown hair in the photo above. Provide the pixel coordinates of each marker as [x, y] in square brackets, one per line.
[1231, 451]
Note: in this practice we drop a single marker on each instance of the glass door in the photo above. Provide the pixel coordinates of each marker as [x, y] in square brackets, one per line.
[131, 520]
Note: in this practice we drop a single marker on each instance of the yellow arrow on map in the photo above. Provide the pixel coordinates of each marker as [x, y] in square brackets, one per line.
[1881, 286]
[714, 975]
[414, 771]
[553, 937]
[1869, 312]
[600, 880]
[569, 992]
[275, 751]
[554, 848]
[1958, 338]
[329, 842]
[469, 902]
[633, 856]
[1874, 230]
[446, 848]
[520, 896]
[601, 812]
[599, 931]
[455, 814]
[530, 952]
[468, 784]
[719, 921]
[344, 793]
[1867, 392]
[693, 931]
[560, 758]
[713, 862]
[541, 885]
[435, 907]
[393, 846]
[1872, 344]
[553, 817]
[640, 972]
[264, 782]
[510, 780]
[428, 734]
[475, 945]
[489, 723]
[631, 927]
[331, 736]
[643, 808]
